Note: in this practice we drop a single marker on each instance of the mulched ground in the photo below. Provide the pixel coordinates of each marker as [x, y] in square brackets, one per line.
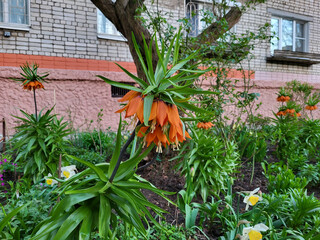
[164, 176]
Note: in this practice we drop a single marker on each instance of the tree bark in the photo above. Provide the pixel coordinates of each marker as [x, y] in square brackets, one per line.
[123, 14]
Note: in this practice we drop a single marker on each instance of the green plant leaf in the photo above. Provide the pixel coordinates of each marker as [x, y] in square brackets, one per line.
[10, 215]
[119, 84]
[72, 222]
[148, 100]
[116, 153]
[97, 170]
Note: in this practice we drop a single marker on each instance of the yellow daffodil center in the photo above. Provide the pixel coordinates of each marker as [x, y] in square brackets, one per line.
[66, 174]
[253, 200]
[254, 235]
[49, 181]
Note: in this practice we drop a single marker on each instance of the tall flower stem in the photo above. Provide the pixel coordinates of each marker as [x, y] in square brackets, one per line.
[35, 103]
[122, 152]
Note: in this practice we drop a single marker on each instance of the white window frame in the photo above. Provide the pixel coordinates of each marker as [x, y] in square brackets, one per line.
[280, 14]
[294, 37]
[117, 37]
[5, 24]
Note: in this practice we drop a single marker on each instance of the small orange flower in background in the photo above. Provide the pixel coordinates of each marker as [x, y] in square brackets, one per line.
[205, 125]
[289, 111]
[165, 128]
[32, 85]
[283, 98]
[311, 108]
[281, 113]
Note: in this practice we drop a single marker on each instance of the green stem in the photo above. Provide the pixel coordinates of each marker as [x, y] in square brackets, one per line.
[122, 152]
[35, 103]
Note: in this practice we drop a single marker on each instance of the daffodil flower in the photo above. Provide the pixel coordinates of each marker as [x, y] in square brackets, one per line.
[68, 171]
[49, 180]
[252, 198]
[253, 233]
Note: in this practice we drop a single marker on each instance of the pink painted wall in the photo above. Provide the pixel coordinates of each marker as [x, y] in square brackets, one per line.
[79, 95]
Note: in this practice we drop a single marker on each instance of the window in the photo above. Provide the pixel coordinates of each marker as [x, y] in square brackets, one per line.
[106, 29]
[197, 9]
[119, 92]
[194, 12]
[290, 34]
[14, 13]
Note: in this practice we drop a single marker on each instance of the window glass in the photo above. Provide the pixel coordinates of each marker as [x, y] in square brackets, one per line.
[300, 30]
[192, 15]
[18, 11]
[287, 34]
[1, 11]
[300, 43]
[105, 26]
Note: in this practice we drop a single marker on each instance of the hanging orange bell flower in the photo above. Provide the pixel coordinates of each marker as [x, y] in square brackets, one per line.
[298, 114]
[283, 98]
[205, 125]
[32, 85]
[166, 127]
[281, 113]
[289, 111]
[311, 108]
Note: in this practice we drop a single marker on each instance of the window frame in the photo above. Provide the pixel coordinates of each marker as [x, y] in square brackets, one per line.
[306, 20]
[116, 37]
[14, 26]
[294, 34]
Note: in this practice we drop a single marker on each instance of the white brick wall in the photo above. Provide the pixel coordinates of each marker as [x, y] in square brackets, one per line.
[67, 28]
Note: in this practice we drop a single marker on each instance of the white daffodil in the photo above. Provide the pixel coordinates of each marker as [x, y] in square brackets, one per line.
[49, 180]
[68, 171]
[252, 198]
[253, 233]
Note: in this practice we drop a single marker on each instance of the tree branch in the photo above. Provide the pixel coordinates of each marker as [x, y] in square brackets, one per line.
[216, 29]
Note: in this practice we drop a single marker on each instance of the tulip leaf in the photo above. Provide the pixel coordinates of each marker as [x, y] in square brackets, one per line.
[148, 101]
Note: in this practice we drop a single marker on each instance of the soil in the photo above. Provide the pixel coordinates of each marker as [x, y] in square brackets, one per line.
[164, 176]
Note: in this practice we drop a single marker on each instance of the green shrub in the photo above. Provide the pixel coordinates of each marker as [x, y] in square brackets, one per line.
[209, 162]
[91, 141]
[39, 142]
[40, 200]
[281, 179]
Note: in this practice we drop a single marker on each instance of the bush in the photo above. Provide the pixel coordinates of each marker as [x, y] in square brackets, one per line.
[209, 162]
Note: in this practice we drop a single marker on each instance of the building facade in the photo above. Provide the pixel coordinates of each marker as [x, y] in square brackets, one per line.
[73, 42]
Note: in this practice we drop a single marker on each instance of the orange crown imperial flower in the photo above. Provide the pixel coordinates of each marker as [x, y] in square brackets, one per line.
[166, 127]
[311, 108]
[205, 125]
[283, 98]
[32, 85]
